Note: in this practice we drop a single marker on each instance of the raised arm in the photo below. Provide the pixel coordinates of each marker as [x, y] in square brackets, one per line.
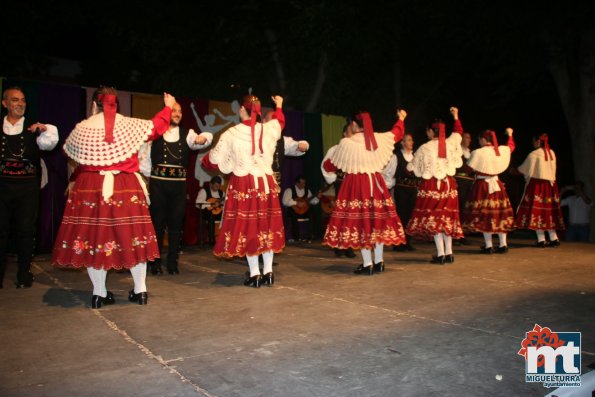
[510, 142]
[162, 118]
[457, 126]
[398, 129]
[278, 114]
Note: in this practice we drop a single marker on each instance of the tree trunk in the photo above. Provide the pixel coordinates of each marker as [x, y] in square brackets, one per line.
[574, 76]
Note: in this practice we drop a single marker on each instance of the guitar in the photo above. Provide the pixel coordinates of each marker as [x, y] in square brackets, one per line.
[327, 203]
[302, 206]
[216, 207]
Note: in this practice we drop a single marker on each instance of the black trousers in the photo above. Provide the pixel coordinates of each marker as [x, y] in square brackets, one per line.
[295, 228]
[168, 204]
[19, 206]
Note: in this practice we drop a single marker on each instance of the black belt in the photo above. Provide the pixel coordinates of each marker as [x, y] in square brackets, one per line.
[168, 172]
[412, 182]
[17, 169]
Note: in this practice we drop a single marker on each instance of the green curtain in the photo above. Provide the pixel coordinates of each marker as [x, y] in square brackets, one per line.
[332, 130]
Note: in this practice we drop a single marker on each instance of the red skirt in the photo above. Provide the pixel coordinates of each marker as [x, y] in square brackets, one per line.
[436, 210]
[252, 220]
[540, 207]
[361, 218]
[488, 213]
[117, 234]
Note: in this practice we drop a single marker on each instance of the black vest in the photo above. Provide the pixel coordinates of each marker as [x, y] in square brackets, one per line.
[21, 147]
[402, 175]
[171, 153]
[279, 155]
[294, 194]
[209, 195]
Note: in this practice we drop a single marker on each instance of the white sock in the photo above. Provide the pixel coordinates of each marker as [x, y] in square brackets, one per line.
[502, 239]
[540, 235]
[439, 240]
[253, 263]
[98, 277]
[553, 235]
[488, 239]
[366, 257]
[267, 260]
[378, 253]
[447, 244]
[139, 275]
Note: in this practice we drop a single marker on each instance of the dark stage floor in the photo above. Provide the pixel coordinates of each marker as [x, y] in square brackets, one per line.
[415, 330]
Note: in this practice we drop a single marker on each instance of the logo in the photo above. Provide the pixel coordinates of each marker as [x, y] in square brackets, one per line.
[552, 358]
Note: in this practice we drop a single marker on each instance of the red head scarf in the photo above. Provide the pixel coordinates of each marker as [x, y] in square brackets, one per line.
[441, 128]
[545, 146]
[369, 137]
[110, 108]
[252, 104]
[495, 143]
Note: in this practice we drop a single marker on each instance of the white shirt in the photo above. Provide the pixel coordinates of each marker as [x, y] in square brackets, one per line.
[201, 198]
[47, 140]
[388, 173]
[291, 147]
[579, 212]
[173, 135]
[288, 201]
[329, 177]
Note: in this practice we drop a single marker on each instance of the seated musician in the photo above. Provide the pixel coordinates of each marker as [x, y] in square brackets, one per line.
[210, 200]
[298, 200]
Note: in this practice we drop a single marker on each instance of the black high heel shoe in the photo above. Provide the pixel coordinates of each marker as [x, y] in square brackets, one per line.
[361, 269]
[142, 297]
[450, 258]
[379, 267]
[268, 279]
[98, 301]
[440, 260]
[253, 281]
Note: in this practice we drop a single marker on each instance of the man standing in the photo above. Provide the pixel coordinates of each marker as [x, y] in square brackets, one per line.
[405, 191]
[20, 174]
[169, 158]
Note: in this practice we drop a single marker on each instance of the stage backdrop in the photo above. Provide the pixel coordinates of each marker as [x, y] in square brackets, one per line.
[65, 105]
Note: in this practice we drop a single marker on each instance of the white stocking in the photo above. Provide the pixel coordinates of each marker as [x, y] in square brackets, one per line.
[98, 277]
[540, 235]
[366, 257]
[139, 275]
[553, 235]
[502, 239]
[439, 240]
[267, 260]
[253, 263]
[447, 244]
[488, 239]
[378, 253]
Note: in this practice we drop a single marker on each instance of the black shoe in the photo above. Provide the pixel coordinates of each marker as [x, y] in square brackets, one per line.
[379, 267]
[25, 280]
[172, 268]
[268, 279]
[502, 250]
[540, 244]
[450, 258]
[96, 301]
[142, 297]
[156, 268]
[253, 281]
[488, 250]
[361, 269]
[440, 260]
[349, 253]
[338, 253]
[554, 243]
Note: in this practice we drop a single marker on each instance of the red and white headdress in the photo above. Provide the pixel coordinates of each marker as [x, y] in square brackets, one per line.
[369, 138]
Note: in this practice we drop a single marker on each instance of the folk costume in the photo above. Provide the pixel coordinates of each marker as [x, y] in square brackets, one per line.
[20, 176]
[169, 159]
[539, 209]
[252, 220]
[106, 223]
[488, 208]
[364, 216]
[436, 212]
[405, 191]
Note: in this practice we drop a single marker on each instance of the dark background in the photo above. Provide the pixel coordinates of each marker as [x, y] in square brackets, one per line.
[490, 59]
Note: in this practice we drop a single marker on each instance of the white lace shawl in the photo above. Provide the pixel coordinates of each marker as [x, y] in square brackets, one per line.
[536, 167]
[427, 165]
[484, 160]
[352, 157]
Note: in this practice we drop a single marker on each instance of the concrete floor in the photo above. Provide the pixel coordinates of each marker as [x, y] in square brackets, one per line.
[416, 330]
